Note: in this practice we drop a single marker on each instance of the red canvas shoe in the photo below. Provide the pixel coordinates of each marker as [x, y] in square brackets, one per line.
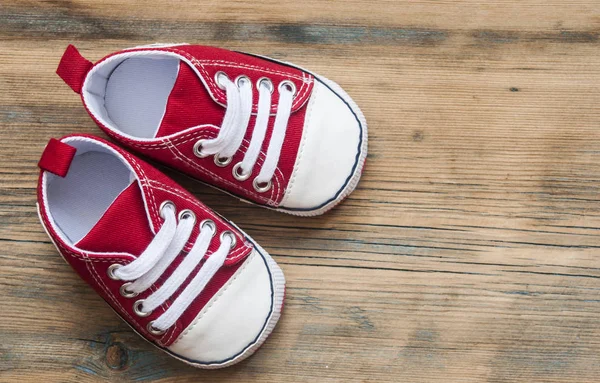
[180, 275]
[263, 130]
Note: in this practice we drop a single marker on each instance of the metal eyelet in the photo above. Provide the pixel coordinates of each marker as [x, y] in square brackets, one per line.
[229, 234]
[137, 309]
[259, 188]
[152, 330]
[198, 149]
[242, 77]
[163, 205]
[185, 214]
[288, 84]
[217, 75]
[267, 81]
[126, 293]
[210, 224]
[240, 176]
[222, 161]
[111, 271]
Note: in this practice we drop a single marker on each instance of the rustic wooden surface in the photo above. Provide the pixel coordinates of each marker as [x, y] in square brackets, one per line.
[468, 253]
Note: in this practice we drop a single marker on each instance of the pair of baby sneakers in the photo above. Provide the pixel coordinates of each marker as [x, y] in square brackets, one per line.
[183, 277]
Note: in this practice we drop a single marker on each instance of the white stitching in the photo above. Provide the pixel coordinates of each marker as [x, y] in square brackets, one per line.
[179, 155]
[107, 291]
[144, 181]
[215, 90]
[141, 329]
[199, 134]
[233, 64]
[82, 256]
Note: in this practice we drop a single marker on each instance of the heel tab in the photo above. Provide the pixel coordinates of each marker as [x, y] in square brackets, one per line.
[57, 157]
[73, 68]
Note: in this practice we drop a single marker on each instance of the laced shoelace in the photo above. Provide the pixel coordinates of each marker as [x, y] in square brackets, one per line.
[235, 123]
[170, 240]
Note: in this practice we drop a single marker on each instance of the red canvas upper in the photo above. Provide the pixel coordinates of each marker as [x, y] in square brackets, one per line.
[124, 219]
[189, 105]
[126, 229]
[195, 110]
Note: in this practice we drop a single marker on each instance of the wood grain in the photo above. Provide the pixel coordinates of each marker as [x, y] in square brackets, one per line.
[469, 251]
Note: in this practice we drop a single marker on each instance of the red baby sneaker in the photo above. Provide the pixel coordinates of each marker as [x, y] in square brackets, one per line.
[263, 130]
[180, 275]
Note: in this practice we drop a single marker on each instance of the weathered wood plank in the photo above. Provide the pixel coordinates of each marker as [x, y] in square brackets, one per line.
[469, 251]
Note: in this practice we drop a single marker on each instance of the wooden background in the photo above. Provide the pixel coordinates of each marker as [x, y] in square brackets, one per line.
[468, 253]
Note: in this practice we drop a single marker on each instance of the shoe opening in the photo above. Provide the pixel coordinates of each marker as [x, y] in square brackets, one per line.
[129, 92]
[96, 177]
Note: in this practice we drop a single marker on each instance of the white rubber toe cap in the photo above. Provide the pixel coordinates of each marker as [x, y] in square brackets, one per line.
[328, 154]
[237, 319]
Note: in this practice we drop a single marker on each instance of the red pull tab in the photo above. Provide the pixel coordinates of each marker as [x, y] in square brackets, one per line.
[73, 68]
[57, 157]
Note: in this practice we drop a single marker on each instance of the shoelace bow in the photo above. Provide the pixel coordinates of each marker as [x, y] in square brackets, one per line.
[170, 240]
[235, 123]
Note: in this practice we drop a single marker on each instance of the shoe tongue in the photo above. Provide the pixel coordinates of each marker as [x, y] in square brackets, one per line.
[123, 228]
[189, 104]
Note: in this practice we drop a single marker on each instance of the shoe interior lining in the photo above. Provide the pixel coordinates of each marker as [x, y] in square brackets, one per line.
[78, 201]
[132, 94]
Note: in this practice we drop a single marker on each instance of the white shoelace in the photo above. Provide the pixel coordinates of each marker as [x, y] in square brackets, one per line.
[160, 253]
[235, 123]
